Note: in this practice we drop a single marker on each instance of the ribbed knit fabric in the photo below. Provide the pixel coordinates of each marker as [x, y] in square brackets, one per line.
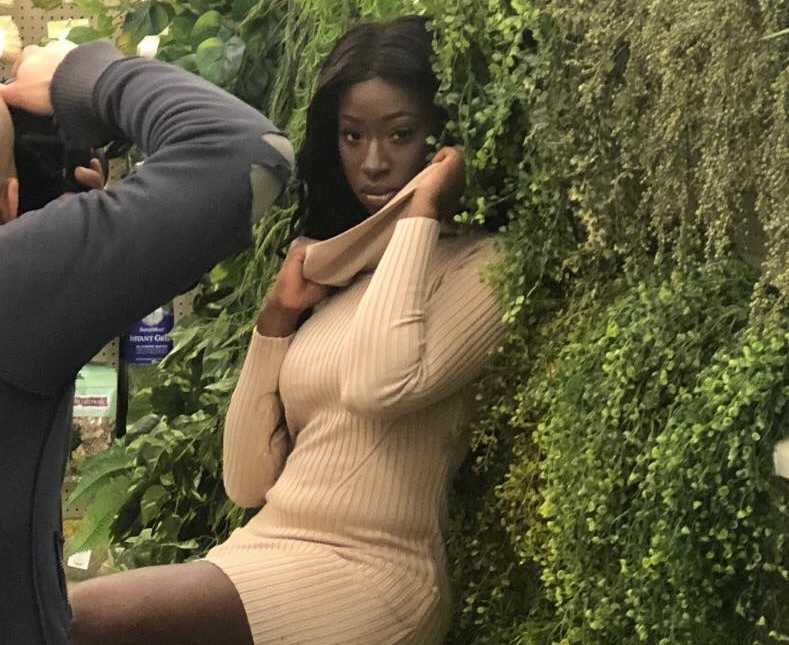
[349, 432]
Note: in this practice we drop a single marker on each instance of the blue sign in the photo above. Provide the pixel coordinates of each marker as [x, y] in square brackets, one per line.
[149, 340]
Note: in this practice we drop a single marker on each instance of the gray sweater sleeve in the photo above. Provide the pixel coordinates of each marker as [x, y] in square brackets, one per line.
[82, 269]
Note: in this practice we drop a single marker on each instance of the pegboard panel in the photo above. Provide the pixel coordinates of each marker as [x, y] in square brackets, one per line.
[183, 305]
[109, 355]
[32, 22]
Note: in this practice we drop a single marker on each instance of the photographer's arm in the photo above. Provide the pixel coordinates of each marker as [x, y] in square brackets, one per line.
[79, 271]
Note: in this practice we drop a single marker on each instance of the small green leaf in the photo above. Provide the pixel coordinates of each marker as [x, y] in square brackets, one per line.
[81, 34]
[151, 501]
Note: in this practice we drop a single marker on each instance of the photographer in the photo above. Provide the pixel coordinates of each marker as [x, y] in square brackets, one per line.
[80, 270]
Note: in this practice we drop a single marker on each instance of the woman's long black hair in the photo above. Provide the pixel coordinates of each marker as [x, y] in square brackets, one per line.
[398, 52]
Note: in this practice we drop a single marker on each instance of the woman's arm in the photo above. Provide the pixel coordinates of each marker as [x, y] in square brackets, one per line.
[407, 349]
[256, 441]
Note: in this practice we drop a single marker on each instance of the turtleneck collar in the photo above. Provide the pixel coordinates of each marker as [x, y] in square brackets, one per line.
[338, 260]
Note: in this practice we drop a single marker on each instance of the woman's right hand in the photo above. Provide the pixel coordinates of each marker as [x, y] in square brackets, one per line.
[438, 194]
[291, 295]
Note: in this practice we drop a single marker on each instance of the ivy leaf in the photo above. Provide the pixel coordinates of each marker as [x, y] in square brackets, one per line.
[218, 61]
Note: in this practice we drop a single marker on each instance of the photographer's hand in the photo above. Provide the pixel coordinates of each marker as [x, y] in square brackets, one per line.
[91, 178]
[33, 74]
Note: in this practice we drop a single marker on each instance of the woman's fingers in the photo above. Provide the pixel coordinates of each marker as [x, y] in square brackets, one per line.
[448, 152]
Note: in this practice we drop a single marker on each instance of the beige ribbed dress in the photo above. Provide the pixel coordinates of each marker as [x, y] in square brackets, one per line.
[349, 432]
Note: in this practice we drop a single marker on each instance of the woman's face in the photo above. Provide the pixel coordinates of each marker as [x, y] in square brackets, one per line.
[382, 139]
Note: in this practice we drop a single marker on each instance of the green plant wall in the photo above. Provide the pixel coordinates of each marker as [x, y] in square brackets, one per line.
[619, 488]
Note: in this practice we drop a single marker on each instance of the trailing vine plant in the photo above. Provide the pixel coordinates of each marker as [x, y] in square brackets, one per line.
[619, 488]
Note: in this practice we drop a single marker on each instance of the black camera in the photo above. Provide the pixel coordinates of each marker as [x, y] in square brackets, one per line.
[45, 165]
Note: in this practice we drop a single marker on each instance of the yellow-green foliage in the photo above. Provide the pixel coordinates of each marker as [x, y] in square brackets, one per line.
[619, 488]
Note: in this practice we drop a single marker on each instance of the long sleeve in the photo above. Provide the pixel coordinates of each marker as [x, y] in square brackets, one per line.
[82, 269]
[256, 441]
[407, 347]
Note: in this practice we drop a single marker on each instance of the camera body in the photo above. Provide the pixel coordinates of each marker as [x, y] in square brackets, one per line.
[45, 165]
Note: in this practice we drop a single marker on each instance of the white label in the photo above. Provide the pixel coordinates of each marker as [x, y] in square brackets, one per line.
[79, 560]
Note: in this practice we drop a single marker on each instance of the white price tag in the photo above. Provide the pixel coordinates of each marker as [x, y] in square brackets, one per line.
[79, 560]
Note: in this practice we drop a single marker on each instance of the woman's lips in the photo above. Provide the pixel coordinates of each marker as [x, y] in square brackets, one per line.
[376, 201]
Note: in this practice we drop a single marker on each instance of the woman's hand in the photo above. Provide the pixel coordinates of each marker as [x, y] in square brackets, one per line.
[291, 295]
[438, 194]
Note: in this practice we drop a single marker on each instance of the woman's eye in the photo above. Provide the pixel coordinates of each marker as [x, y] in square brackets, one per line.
[350, 136]
[402, 135]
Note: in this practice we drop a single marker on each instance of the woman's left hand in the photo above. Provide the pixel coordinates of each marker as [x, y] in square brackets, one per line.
[438, 194]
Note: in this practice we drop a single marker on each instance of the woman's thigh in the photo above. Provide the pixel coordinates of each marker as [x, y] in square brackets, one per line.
[179, 604]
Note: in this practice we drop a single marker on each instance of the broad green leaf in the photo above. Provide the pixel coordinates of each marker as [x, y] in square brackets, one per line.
[94, 530]
[96, 472]
[219, 61]
[181, 27]
[161, 13]
[188, 62]
[150, 18]
[206, 26]
[199, 6]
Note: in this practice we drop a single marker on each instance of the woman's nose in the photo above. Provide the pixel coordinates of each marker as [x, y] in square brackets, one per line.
[375, 162]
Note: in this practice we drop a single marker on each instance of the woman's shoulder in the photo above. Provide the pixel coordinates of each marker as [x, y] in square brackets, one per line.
[457, 247]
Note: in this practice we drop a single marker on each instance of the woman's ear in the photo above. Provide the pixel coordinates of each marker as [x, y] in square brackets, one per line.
[9, 200]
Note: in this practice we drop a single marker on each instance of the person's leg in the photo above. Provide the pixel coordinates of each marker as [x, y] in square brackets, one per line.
[180, 604]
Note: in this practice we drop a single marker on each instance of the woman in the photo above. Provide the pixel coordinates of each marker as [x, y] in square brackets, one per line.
[345, 426]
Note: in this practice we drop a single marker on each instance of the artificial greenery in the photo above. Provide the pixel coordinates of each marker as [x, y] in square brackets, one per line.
[657, 423]
[619, 488]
